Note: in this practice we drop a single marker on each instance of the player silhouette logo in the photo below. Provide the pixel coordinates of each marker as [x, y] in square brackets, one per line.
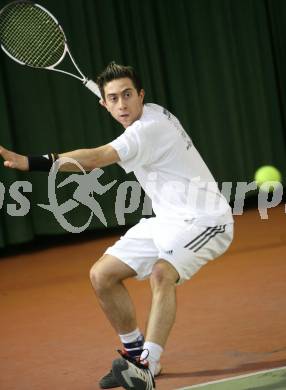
[88, 184]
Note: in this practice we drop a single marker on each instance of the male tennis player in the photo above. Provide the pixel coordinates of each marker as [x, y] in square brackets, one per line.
[193, 222]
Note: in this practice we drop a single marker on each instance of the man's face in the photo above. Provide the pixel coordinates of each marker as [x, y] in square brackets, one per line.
[123, 101]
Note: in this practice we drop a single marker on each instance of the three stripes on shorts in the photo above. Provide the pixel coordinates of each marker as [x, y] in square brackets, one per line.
[203, 238]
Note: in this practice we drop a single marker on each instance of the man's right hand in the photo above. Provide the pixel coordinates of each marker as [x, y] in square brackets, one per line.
[14, 160]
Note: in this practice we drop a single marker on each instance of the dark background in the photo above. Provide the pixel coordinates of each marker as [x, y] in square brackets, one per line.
[218, 65]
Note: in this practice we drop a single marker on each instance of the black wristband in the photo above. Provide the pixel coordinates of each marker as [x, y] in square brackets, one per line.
[42, 163]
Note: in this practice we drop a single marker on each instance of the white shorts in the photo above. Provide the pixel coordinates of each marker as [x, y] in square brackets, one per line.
[186, 245]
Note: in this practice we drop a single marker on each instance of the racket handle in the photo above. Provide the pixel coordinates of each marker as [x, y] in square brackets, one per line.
[92, 86]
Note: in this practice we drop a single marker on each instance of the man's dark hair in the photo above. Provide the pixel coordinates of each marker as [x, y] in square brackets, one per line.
[115, 71]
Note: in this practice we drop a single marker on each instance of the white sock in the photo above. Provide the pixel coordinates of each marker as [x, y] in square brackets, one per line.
[130, 337]
[133, 342]
[152, 353]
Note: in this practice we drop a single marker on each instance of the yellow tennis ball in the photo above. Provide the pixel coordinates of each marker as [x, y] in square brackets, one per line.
[267, 173]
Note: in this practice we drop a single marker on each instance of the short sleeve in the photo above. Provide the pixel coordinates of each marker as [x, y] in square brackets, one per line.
[134, 147]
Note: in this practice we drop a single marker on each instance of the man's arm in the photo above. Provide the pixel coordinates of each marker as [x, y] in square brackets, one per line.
[91, 158]
[88, 158]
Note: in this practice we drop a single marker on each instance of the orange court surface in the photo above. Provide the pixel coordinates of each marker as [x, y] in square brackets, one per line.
[230, 321]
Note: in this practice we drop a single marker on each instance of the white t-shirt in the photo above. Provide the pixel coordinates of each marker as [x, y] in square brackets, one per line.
[170, 169]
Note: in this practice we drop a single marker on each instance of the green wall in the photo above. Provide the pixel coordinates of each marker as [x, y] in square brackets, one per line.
[219, 65]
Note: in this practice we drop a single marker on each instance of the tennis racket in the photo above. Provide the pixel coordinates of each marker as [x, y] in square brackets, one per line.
[31, 35]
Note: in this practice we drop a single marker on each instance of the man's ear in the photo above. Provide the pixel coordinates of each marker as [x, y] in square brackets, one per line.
[102, 103]
[142, 94]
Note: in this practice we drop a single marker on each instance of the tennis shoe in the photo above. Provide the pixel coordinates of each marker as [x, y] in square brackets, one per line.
[132, 373]
[109, 381]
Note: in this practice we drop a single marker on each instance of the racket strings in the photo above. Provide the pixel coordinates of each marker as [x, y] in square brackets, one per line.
[31, 35]
[44, 42]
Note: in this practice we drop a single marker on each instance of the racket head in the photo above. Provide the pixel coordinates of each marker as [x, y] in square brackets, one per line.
[31, 35]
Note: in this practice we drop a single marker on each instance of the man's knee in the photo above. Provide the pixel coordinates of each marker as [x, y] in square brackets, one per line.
[163, 275]
[107, 272]
[101, 276]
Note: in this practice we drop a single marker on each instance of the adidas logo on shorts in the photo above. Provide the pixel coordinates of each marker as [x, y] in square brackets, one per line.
[169, 252]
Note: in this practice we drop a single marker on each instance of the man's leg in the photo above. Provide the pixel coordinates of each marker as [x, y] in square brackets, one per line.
[161, 319]
[106, 277]
[163, 310]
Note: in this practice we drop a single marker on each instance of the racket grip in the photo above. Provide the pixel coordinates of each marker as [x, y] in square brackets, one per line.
[92, 86]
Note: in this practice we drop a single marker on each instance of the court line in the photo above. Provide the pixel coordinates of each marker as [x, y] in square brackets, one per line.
[232, 378]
